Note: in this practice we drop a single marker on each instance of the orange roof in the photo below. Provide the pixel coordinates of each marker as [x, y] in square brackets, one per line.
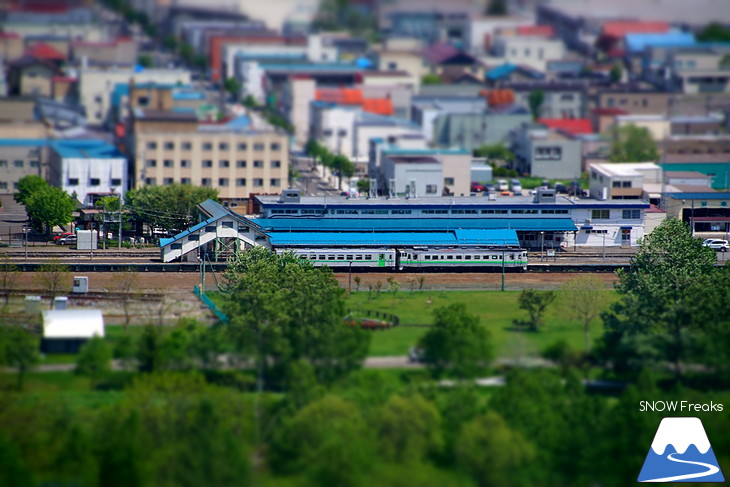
[380, 106]
[573, 126]
[620, 29]
[536, 30]
[44, 51]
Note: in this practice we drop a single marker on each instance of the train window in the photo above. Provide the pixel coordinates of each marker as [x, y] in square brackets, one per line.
[467, 257]
[340, 257]
[495, 257]
[426, 257]
[358, 257]
[458, 257]
[368, 257]
[450, 257]
[414, 256]
[511, 256]
[349, 257]
[330, 257]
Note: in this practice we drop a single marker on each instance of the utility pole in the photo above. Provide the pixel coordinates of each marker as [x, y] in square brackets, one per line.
[121, 202]
[502, 269]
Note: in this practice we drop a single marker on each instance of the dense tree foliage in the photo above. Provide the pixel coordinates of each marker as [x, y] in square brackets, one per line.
[583, 299]
[27, 186]
[668, 298]
[49, 206]
[535, 100]
[94, 360]
[536, 304]
[283, 310]
[457, 345]
[172, 207]
[633, 144]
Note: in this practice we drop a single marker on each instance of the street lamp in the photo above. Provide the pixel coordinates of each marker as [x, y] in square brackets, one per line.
[542, 245]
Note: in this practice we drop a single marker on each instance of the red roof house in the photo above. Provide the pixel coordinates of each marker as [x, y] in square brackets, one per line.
[573, 126]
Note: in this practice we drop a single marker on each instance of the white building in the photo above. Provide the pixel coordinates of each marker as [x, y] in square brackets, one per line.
[623, 181]
[531, 51]
[88, 168]
[97, 84]
[66, 330]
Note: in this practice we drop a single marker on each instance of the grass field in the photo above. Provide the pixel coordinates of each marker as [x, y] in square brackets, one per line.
[495, 309]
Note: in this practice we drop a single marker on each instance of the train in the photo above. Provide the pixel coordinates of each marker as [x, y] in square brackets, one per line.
[415, 258]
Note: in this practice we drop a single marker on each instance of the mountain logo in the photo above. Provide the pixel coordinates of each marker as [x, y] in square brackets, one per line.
[681, 452]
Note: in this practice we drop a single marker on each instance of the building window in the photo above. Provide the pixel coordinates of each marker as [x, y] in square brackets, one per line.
[258, 146]
[205, 182]
[186, 146]
[566, 97]
[167, 181]
[223, 146]
[275, 164]
[258, 163]
[151, 163]
[35, 164]
[73, 181]
[3, 163]
[548, 153]
[626, 184]
[241, 182]
[143, 101]
[3, 185]
[448, 181]
[116, 181]
[600, 214]
[184, 163]
[223, 182]
[242, 146]
[184, 180]
[631, 214]
[94, 182]
[616, 184]
[149, 181]
[240, 163]
[431, 189]
[167, 163]
[258, 182]
[224, 164]
[275, 146]
[152, 145]
[276, 182]
[207, 163]
[207, 146]
[169, 145]
[18, 163]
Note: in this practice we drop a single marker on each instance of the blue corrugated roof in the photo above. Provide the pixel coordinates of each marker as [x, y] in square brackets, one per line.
[673, 38]
[214, 209]
[413, 224]
[500, 71]
[23, 142]
[193, 229]
[457, 237]
[700, 196]
[93, 148]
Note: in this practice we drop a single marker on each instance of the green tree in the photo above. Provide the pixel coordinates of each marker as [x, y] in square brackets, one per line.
[633, 144]
[27, 186]
[431, 79]
[173, 206]
[150, 352]
[280, 322]
[20, 350]
[492, 452]
[232, 86]
[170, 43]
[457, 345]
[145, 60]
[535, 303]
[583, 299]
[659, 294]
[616, 73]
[343, 168]
[535, 100]
[714, 32]
[408, 429]
[250, 102]
[54, 278]
[494, 152]
[94, 360]
[338, 445]
[48, 207]
[363, 186]
[187, 53]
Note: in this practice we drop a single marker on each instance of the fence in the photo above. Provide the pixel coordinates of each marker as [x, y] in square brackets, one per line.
[209, 303]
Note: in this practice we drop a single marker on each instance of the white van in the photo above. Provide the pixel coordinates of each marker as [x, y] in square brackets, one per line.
[515, 186]
[501, 185]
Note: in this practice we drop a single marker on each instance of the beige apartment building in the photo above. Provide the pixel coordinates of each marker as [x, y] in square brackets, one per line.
[170, 148]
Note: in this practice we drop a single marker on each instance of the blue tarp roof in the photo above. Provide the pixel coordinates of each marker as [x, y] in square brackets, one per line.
[96, 149]
[386, 239]
[413, 224]
[23, 142]
[673, 38]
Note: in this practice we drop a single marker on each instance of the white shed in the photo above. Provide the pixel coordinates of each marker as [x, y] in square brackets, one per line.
[65, 331]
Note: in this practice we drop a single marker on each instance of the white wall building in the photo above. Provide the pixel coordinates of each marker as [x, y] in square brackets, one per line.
[531, 51]
[88, 167]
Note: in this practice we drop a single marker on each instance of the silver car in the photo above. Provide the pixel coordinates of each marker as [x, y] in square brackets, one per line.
[716, 244]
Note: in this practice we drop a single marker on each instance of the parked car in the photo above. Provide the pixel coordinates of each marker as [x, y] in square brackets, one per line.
[60, 236]
[716, 244]
[561, 188]
[476, 187]
[67, 240]
[489, 187]
[502, 185]
[515, 186]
